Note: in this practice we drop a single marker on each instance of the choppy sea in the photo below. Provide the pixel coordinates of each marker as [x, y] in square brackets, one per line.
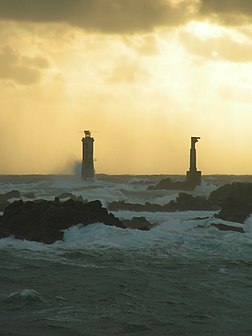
[176, 279]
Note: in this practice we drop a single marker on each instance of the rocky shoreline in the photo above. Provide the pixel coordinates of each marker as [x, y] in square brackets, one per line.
[45, 221]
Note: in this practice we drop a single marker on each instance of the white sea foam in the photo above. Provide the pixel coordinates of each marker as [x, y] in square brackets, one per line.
[26, 295]
[248, 224]
[191, 228]
[205, 188]
[161, 217]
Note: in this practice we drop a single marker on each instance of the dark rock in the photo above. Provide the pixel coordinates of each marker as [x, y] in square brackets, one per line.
[5, 197]
[73, 197]
[121, 205]
[29, 195]
[224, 227]
[139, 223]
[168, 184]
[13, 194]
[44, 221]
[3, 204]
[186, 202]
[239, 191]
[66, 195]
[235, 201]
[234, 211]
[9, 195]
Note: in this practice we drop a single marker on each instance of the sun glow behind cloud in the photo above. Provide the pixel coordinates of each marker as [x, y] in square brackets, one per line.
[143, 95]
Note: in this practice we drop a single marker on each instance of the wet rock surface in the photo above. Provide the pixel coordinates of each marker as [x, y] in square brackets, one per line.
[140, 223]
[4, 198]
[235, 201]
[225, 227]
[168, 184]
[29, 195]
[45, 221]
[69, 195]
[3, 204]
[122, 205]
[184, 202]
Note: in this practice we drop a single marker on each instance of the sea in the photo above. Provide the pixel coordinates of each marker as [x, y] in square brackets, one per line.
[183, 277]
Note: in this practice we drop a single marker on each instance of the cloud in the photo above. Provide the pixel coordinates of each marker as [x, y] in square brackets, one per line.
[218, 48]
[127, 71]
[231, 12]
[116, 16]
[20, 69]
[125, 16]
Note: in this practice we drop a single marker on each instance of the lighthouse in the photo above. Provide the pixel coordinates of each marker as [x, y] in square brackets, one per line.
[87, 156]
[193, 175]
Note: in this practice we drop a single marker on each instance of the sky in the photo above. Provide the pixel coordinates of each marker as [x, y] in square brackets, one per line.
[142, 75]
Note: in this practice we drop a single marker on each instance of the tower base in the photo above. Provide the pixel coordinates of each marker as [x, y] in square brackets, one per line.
[193, 178]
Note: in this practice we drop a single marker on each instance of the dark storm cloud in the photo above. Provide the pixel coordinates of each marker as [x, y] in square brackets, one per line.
[122, 16]
[101, 15]
[20, 69]
[231, 12]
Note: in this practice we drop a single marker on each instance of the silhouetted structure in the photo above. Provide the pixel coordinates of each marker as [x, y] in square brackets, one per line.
[87, 156]
[193, 175]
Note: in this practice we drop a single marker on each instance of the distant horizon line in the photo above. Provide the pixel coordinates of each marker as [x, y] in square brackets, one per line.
[121, 174]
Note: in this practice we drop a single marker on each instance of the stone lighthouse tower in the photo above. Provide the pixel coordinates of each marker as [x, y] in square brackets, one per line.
[193, 175]
[87, 156]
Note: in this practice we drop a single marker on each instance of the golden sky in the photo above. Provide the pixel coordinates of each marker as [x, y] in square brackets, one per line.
[143, 75]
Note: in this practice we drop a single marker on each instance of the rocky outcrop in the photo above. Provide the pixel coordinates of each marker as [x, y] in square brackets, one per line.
[184, 202]
[3, 204]
[11, 194]
[225, 227]
[45, 221]
[235, 201]
[69, 195]
[148, 207]
[139, 223]
[168, 184]
[4, 198]
[239, 191]
[29, 195]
